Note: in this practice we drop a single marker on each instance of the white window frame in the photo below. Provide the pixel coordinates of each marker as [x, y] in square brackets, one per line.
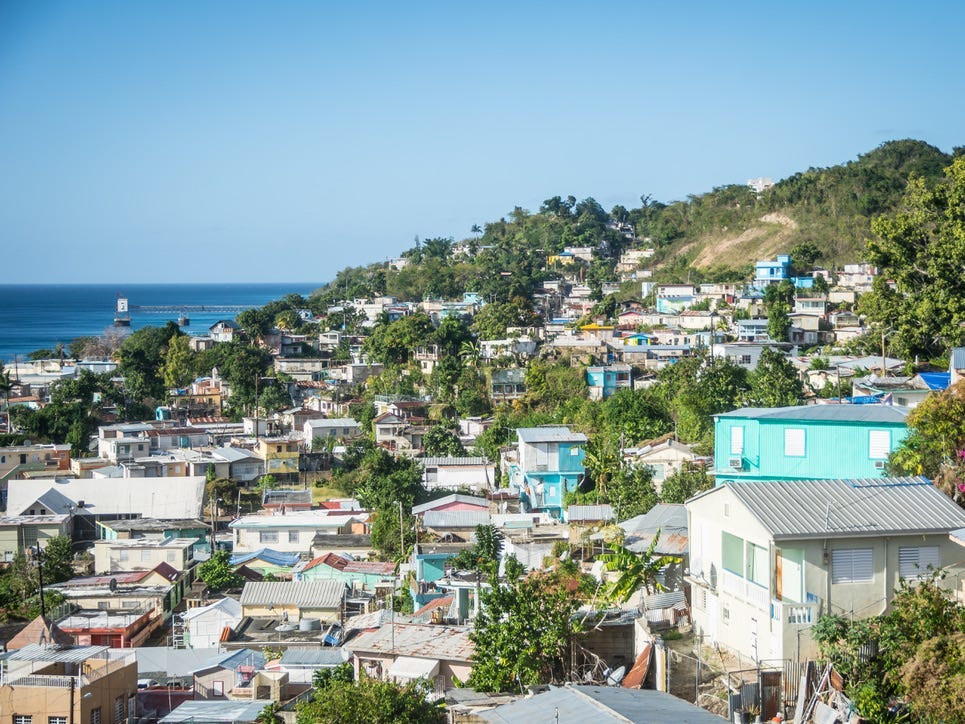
[293, 536]
[914, 561]
[795, 442]
[268, 536]
[852, 565]
[737, 440]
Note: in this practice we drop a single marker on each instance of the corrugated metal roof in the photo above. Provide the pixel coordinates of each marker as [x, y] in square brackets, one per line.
[549, 434]
[424, 641]
[216, 712]
[836, 508]
[880, 414]
[314, 657]
[578, 513]
[448, 500]
[578, 704]
[452, 461]
[305, 594]
[60, 654]
[455, 518]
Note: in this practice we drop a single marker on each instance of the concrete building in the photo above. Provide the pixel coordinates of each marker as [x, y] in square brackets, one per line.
[767, 560]
[293, 532]
[138, 554]
[18, 532]
[68, 684]
[474, 473]
[204, 625]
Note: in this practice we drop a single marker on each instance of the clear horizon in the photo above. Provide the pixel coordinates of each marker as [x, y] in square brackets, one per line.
[144, 142]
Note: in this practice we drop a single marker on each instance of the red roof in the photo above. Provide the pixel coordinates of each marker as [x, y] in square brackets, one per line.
[329, 559]
[435, 603]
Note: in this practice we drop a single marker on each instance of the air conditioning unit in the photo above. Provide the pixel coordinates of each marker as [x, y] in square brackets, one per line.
[736, 463]
[879, 464]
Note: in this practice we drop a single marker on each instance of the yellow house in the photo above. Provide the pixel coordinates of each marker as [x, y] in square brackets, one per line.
[280, 455]
[18, 532]
[294, 600]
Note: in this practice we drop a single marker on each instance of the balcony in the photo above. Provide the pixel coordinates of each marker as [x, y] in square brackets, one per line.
[795, 614]
[745, 590]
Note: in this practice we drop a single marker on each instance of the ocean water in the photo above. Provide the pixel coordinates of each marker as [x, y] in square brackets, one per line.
[38, 316]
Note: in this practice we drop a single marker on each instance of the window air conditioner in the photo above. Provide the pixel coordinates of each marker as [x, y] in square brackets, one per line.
[879, 464]
[736, 463]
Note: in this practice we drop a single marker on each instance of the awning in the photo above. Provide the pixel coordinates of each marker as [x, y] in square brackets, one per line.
[407, 667]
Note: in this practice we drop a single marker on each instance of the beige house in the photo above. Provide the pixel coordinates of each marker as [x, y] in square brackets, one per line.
[405, 652]
[68, 684]
[664, 456]
[293, 532]
[138, 554]
[767, 559]
[18, 532]
[294, 600]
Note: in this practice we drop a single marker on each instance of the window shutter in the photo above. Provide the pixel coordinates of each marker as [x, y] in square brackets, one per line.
[737, 441]
[852, 565]
[879, 444]
[794, 442]
[913, 562]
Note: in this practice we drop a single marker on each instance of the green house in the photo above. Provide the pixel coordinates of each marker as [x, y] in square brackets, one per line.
[827, 442]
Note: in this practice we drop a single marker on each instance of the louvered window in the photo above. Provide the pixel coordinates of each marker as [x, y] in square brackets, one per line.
[913, 562]
[737, 441]
[852, 565]
[879, 444]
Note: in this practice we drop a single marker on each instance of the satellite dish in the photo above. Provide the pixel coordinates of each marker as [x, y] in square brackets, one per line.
[616, 676]
[113, 585]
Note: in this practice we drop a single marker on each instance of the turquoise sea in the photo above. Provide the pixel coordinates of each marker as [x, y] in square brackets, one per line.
[38, 316]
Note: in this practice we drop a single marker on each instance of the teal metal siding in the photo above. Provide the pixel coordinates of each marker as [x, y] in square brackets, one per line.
[833, 450]
[570, 462]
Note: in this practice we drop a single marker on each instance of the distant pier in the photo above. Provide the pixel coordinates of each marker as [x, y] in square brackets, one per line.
[191, 308]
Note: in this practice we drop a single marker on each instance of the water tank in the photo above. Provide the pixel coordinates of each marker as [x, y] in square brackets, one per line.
[309, 624]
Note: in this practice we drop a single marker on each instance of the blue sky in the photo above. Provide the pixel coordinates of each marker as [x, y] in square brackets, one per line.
[244, 141]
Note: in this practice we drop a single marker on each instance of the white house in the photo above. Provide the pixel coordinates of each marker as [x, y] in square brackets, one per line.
[294, 532]
[475, 473]
[334, 427]
[767, 559]
[203, 625]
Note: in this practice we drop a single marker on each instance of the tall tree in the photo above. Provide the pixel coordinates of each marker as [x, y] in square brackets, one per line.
[774, 382]
[919, 248]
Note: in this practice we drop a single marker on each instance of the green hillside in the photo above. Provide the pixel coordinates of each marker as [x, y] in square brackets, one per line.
[712, 236]
[830, 208]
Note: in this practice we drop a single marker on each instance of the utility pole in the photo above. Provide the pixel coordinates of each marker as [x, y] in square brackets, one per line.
[40, 582]
[883, 375]
[401, 532]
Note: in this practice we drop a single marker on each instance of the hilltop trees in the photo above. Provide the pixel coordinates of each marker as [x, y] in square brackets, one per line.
[920, 248]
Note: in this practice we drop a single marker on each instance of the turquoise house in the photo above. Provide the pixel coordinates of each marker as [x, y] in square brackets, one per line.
[603, 382]
[824, 442]
[547, 465]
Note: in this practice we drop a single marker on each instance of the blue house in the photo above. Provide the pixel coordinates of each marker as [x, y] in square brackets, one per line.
[829, 442]
[604, 381]
[772, 272]
[547, 465]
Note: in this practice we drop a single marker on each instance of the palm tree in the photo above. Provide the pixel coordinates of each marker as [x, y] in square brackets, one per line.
[636, 571]
[469, 353]
[6, 384]
[601, 463]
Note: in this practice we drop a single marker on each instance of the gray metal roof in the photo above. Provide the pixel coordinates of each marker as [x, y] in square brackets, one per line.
[169, 661]
[422, 641]
[577, 513]
[848, 508]
[455, 518]
[61, 654]
[314, 657]
[234, 454]
[549, 434]
[877, 414]
[578, 704]
[304, 594]
[217, 711]
[447, 500]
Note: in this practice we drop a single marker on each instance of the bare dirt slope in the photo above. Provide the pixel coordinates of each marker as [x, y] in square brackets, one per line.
[772, 236]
